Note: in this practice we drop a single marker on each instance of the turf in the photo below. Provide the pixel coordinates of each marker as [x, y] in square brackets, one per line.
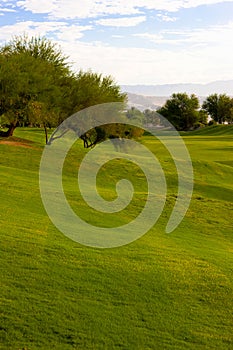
[219, 130]
[163, 291]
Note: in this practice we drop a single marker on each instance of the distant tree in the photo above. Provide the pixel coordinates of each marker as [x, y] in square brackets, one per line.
[181, 110]
[151, 117]
[219, 107]
[210, 105]
[134, 114]
[230, 116]
[202, 118]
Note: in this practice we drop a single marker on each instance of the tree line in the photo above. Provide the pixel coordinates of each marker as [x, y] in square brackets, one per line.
[38, 87]
[185, 112]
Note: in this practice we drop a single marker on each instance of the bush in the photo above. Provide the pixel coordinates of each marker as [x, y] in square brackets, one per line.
[212, 122]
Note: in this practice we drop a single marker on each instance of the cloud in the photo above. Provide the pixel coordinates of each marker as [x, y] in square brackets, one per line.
[117, 36]
[70, 9]
[4, 9]
[61, 30]
[8, 7]
[37, 6]
[166, 18]
[199, 61]
[215, 36]
[122, 22]
[151, 66]
[72, 33]
[8, 3]
[154, 38]
[197, 55]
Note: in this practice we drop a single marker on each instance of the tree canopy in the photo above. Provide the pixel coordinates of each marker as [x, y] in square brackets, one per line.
[219, 108]
[182, 111]
[38, 86]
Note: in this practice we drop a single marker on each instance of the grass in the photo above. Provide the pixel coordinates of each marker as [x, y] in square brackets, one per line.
[163, 291]
[214, 130]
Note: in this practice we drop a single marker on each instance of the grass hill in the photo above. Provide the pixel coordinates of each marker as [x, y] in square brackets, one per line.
[214, 130]
[163, 291]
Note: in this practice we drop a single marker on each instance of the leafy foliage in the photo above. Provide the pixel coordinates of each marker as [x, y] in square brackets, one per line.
[29, 77]
[37, 47]
[181, 110]
[89, 89]
[219, 107]
[37, 85]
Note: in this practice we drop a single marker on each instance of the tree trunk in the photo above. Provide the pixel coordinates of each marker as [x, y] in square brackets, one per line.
[46, 134]
[9, 132]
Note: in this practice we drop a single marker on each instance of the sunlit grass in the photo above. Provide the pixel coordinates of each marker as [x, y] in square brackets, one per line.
[163, 291]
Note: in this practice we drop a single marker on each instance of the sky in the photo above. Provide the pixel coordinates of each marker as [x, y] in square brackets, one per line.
[134, 41]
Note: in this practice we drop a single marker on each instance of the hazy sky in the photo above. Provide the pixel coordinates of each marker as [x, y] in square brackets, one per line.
[136, 41]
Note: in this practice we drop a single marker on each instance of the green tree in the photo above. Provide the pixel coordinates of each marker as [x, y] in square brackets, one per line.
[89, 89]
[181, 110]
[202, 119]
[27, 76]
[218, 107]
[41, 114]
[230, 116]
[37, 47]
[36, 84]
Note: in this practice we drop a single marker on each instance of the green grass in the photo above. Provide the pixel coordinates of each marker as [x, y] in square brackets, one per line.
[163, 291]
[218, 130]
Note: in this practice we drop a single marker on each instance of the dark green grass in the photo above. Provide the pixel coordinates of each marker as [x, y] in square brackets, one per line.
[164, 291]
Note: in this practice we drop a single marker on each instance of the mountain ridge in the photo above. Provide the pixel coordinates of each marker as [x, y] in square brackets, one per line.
[219, 87]
[143, 102]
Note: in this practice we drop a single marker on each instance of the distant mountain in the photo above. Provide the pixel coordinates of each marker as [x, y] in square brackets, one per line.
[143, 102]
[218, 87]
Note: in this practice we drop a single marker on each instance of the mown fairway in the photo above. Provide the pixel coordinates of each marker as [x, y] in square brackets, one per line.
[163, 291]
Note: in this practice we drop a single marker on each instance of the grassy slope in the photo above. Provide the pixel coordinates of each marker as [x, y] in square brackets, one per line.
[160, 292]
[214, 130]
